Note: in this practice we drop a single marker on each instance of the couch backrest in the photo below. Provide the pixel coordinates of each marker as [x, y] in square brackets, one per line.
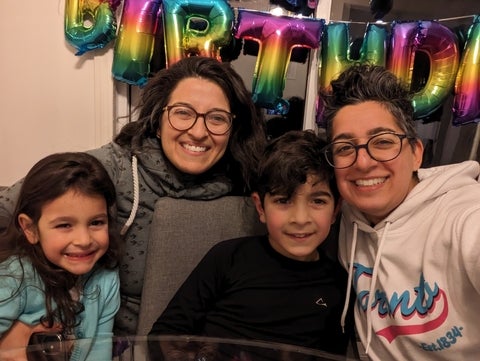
[182, 231]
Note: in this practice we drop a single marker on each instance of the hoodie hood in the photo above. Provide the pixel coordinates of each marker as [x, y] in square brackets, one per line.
[434, 182]
[153, 171]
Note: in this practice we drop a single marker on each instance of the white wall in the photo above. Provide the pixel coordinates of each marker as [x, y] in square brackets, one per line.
[51, 100]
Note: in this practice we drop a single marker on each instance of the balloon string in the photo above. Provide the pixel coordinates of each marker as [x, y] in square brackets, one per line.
[381, 22]
[475, 144]
[457, 18]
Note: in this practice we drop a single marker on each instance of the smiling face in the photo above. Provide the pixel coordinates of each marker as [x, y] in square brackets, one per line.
[72, 231]
[299, 224]
[375, 188]
[195, 150]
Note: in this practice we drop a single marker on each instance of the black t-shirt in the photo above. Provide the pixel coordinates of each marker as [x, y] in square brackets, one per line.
[244, 289]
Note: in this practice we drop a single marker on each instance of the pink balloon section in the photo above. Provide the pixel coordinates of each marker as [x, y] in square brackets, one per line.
[146, 22]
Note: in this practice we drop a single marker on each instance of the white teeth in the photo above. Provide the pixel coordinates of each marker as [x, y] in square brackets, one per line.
[301, 235]
[75, 255]
[369, 182]
[194, 148]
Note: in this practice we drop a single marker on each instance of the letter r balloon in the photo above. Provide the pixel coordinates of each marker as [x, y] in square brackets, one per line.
[196, 27]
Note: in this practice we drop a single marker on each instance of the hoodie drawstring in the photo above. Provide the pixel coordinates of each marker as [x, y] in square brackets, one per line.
[372, 285]
[136, 196]
[350, 276]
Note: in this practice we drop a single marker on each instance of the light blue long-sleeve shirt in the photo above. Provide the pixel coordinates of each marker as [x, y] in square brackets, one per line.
[22, 298]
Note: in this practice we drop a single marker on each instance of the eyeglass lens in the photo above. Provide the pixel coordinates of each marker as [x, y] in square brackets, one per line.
[216, 121]
[381, 147]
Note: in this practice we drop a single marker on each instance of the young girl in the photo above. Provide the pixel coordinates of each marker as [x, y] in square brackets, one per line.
[59, 257]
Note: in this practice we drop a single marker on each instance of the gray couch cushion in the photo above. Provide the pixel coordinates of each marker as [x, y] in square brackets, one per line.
[182, 231]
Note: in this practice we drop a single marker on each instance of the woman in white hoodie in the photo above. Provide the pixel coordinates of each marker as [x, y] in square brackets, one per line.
[409, 237]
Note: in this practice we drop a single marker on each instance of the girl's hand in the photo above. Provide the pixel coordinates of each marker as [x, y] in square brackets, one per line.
[15, 340]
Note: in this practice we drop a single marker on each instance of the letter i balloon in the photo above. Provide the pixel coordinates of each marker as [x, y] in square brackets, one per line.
[141, 20]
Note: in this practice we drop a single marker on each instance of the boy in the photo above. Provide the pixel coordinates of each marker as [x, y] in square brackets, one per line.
[281, 287]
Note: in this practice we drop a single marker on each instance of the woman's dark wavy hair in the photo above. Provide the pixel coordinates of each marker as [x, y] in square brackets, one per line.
[247, 137]
[288, 160]
[366, 82]
[49, 179]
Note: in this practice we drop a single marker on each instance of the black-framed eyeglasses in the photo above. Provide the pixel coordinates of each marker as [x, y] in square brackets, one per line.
[184, 117]
[381, 147]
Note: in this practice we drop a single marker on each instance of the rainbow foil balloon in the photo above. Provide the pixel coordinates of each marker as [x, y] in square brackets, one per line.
[90, 24]
[336, 50]
[196, 27]
[440, 45]
[141, 21]
[276, 35]
[335, 57]
[466, 103]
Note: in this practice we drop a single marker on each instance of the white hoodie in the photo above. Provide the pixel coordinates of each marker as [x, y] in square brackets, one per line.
[422, 266]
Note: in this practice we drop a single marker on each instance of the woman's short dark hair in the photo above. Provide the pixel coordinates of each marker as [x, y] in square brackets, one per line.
[365, 82]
